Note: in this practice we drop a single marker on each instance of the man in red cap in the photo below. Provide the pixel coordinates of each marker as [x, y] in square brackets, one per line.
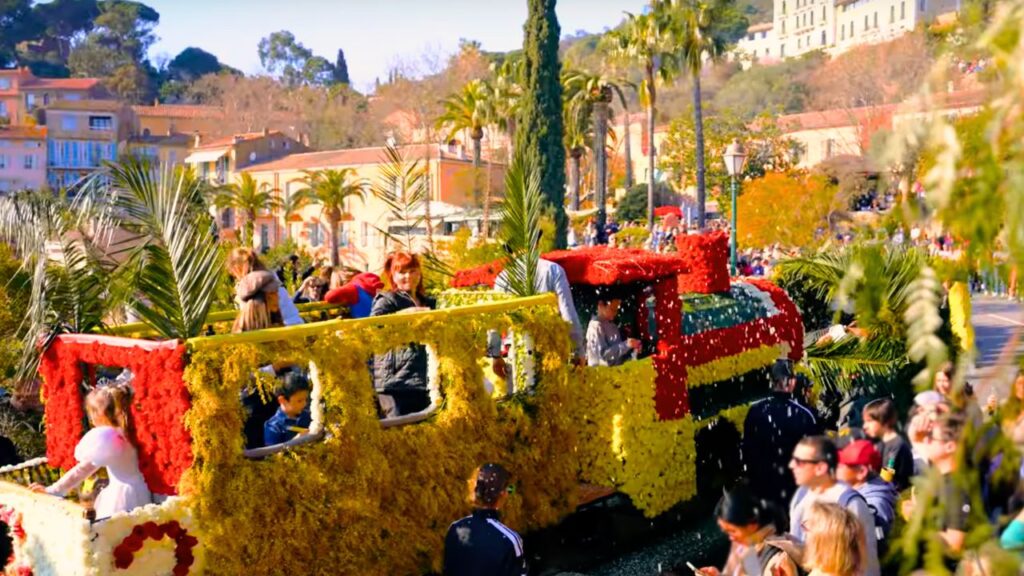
[859, 463]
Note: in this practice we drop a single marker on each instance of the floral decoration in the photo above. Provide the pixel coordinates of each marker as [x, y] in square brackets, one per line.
[732, 366]
[158, 408]
[707, 260]
[15, 564]
[124, 554]
[154, 539]
[50, 535]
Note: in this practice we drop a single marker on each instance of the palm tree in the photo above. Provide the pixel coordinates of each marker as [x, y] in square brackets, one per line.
[505, 91]
[332, 189]
[577, 104]
[469, 109]
[646, 40]
[697, 43]
[248, 197]
[290, 205]
[594, 92]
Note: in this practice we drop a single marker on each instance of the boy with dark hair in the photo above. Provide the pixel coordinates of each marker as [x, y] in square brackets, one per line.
[605, 346]
[292, 416]
[480, 543]
[880, 420]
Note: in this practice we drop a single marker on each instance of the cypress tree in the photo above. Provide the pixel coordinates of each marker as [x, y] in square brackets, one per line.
[540, 123]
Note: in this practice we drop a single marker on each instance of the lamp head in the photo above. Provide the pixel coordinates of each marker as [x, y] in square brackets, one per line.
[735, 157]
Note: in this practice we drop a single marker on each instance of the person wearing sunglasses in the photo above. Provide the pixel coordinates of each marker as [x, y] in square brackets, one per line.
[813, 464]
[480, 543]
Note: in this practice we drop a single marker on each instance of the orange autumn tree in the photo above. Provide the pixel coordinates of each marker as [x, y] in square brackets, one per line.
[787, 208]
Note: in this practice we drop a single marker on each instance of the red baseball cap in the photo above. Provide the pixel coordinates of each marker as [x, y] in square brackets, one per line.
[861, 453]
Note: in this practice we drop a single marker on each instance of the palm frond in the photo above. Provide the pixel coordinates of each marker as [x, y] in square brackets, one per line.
[171, 261]
[835, 365]
[521, 213]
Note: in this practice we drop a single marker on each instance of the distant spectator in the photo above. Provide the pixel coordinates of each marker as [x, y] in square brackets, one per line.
[257, 292]
[357, 292]
[880, 421]
[315, 287]
[750, 524]
[772, 429]
[480, 544]
[8, 452]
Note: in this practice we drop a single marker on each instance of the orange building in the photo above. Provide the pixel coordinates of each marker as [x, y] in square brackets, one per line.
[177, 119]
[453, 202]
[81, 135]
[22, 158]
[22, 93]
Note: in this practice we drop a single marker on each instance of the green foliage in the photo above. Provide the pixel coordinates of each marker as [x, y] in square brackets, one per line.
[333, 190]
[116, 49]
[282, 55]
[521, 215]
[540, 128]
[192, 63]
[782, 88]
[633, 206]
[461, 253]
[249, 198]
[632, 237]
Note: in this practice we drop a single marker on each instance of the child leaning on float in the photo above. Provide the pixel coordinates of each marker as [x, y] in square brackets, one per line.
[109, 444]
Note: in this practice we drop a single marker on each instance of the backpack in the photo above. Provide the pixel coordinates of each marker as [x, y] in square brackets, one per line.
[770, 551]
[848, 495]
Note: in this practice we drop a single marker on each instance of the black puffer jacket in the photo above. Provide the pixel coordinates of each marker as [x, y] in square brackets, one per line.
[402, 368]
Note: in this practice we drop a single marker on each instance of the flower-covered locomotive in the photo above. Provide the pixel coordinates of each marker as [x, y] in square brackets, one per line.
[368, 496]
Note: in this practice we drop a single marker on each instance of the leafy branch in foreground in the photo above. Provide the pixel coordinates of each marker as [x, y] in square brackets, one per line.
[521, 213]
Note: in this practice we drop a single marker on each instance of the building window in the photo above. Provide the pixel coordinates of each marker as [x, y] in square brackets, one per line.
[264, 236]
[823, 18]
[799, 43]
[783, 26]
[923, 4]
[876, 20]
[812, 18]
[30, 161]
[287, 144]
[5, 83]
[227, 218]
[72, 96]
[101, 123]
[30, 101]
[68, 123]
[783, 7]
[892, 14]
[842, 32]
[767, 52]
[782, 51]
[822, 37]
[315, 237]
[764, 35]
[903, 10]
[866, 22]
[3, 161]
[3, 109]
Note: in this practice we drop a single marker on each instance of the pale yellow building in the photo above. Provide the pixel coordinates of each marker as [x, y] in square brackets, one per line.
[362, 242]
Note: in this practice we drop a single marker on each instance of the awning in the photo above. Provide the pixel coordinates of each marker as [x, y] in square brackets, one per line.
[205, 156]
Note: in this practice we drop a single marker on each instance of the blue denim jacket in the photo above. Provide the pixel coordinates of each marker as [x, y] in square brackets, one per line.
[275, 430]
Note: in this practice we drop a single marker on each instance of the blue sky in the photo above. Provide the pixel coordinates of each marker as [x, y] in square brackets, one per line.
[374, 34]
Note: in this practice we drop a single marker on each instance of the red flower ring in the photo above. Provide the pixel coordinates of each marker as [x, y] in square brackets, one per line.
[10, 517]
[124, 553]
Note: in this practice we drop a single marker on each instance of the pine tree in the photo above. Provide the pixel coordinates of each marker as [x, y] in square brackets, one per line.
[540, 124]
[341, 68]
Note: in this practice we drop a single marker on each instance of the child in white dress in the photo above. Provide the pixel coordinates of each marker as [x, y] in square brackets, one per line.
[108, 444]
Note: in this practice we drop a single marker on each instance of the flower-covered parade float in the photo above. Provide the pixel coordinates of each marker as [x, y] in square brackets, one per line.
[362, 495]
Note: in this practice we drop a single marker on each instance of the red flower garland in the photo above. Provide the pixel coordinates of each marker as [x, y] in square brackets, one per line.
[124, 553]
[11, 517]
[158, 410]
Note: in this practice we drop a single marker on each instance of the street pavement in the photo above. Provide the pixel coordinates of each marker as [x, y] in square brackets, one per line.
[996, 321]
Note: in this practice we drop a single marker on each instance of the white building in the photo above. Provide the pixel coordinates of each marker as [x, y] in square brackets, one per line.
[801, 26]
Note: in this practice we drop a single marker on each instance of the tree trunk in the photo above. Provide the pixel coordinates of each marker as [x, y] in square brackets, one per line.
[627, 150]
[574, 178]
[426, 208]
[477, 135]
[651, 101]
[250, 229]
[601, 163]
[512, 133]
[332, 221]
[698, 126]
[485, 226]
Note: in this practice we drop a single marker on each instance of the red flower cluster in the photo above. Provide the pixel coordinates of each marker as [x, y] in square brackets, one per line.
[124, 553]
[605, 266]
[158, 410]
[670, 396]
[13, 520]
[480, 276]
[707, 262]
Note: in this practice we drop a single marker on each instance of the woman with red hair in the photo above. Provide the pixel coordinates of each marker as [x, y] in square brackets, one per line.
[400, 375]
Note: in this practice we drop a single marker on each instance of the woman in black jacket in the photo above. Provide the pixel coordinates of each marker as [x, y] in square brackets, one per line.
[400, 376]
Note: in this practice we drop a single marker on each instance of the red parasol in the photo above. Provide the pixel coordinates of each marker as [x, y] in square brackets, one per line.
[667, 210]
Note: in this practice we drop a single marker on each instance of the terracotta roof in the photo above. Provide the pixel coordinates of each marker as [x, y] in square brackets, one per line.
[175, 139]
[347, 157]
[837, 118]
[88, 105]
[22, 132]
[226, 141]
[62, 83]
[179, 111]
[762, 27]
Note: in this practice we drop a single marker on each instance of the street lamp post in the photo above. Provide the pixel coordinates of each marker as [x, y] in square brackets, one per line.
[735, 156]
